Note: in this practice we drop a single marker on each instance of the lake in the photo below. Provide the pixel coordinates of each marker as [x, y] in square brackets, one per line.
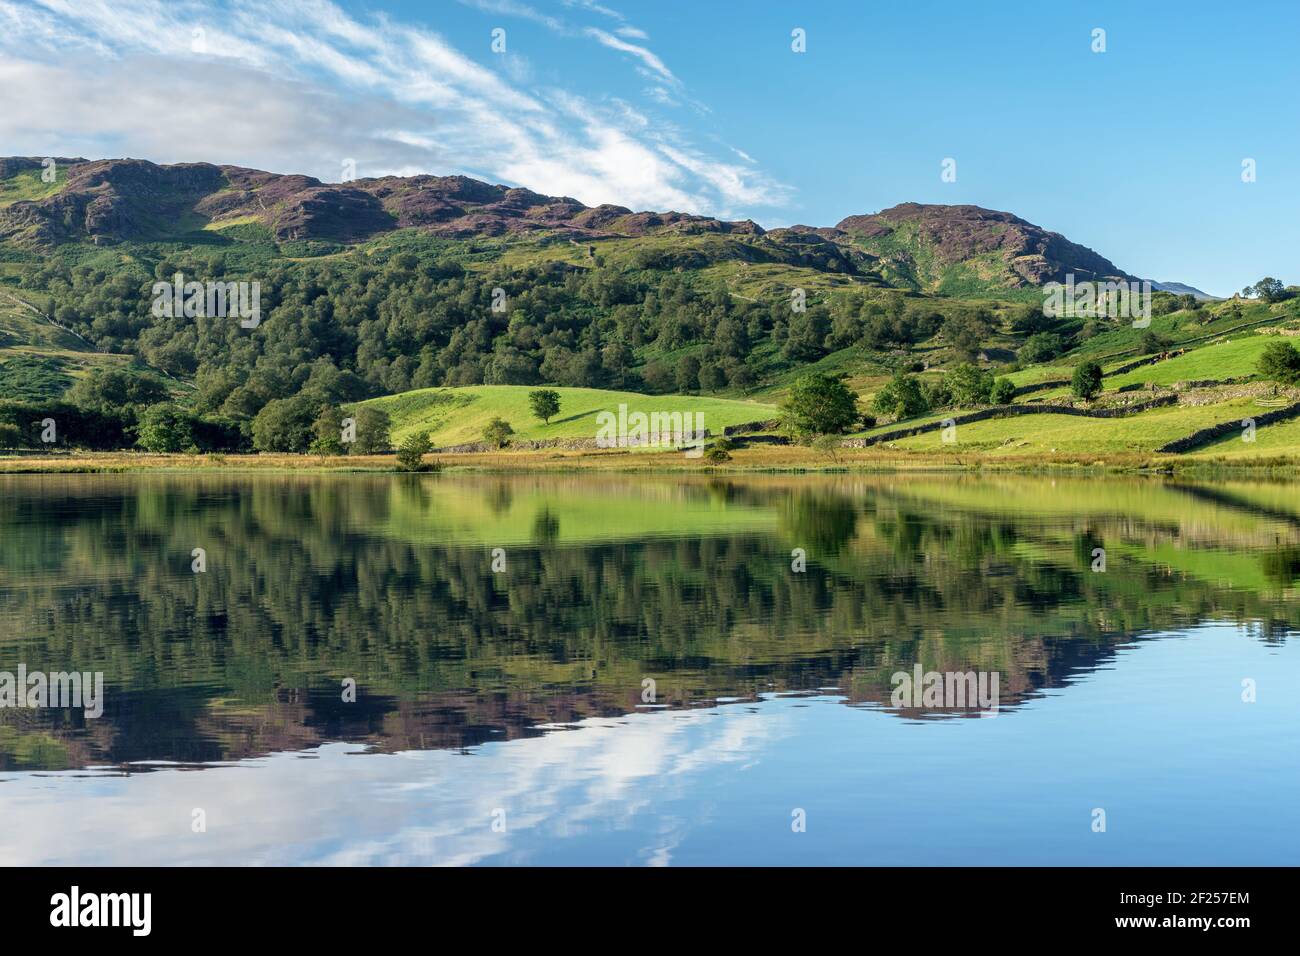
[644, 670]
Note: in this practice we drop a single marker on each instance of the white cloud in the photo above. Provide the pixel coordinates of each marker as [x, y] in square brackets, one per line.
[651, 61]
[432, 807]
[299, 85]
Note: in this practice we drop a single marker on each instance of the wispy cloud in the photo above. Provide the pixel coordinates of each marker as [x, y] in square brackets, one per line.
[301, 85]
[643, 54]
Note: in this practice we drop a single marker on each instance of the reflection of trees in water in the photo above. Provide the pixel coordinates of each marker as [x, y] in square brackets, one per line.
[546, 528]
[302, 591]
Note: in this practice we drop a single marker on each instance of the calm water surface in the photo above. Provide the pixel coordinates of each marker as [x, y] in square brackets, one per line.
[501, 716]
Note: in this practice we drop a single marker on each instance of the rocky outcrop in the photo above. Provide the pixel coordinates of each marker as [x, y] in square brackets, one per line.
[943, 236]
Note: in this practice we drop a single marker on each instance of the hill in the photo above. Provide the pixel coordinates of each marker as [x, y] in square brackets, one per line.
[455, 416]
[958, 250]
[1182, 288]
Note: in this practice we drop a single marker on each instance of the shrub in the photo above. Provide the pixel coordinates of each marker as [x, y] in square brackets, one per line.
[411, 452]
[1002, 392]
[498, 432]
[1087, 380]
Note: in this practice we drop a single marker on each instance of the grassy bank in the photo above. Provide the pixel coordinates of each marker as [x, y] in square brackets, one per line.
[758, 458]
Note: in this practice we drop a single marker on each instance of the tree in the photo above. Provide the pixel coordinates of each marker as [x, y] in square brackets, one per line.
[1280, 363]
[1152, 342]
[327, 431]
[545, 403]
[688, 374]
[11, 436]
[966, 331]
[374, 429]
[969, 384]
[1040, 347]
[1087, 380]
[114, 388]
[498, 432]
[285, 425]
[820, 405]
[1270, 289]
[411, 452]
[901, 397]
[1002, 392]
[165, 428]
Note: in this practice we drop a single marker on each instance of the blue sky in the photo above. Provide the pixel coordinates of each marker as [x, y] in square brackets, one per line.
[1136, 152]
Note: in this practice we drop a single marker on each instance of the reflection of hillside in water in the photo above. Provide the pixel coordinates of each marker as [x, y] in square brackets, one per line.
[609, 581]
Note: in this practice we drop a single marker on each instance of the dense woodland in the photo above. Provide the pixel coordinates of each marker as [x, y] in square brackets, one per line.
[363, 322]
[342, 329]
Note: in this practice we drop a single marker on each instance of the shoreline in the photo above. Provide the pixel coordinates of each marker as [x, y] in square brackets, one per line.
[773, 459]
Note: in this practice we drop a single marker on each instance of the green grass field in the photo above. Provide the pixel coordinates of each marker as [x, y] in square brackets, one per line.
[1029, 434]
[454, 416]
[1235, 358]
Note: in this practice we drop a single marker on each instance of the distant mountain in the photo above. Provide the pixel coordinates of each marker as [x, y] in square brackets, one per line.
[956, 250]
[1181, 288]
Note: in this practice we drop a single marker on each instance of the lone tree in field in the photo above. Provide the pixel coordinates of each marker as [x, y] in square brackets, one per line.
[498, 432]
[1087, 381]
[1280, 363]
[545, 403]
[820, 405]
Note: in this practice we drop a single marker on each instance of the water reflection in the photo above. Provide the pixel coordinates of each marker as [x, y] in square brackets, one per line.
[608, 581]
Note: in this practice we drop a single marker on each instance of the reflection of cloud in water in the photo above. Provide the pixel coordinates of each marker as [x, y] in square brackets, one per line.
[341, 806]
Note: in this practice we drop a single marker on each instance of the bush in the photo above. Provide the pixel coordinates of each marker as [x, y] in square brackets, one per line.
[10, 436]
[1002, 392]
[411, 452]
[1087, 380]
[715, 455]
[498, 432]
